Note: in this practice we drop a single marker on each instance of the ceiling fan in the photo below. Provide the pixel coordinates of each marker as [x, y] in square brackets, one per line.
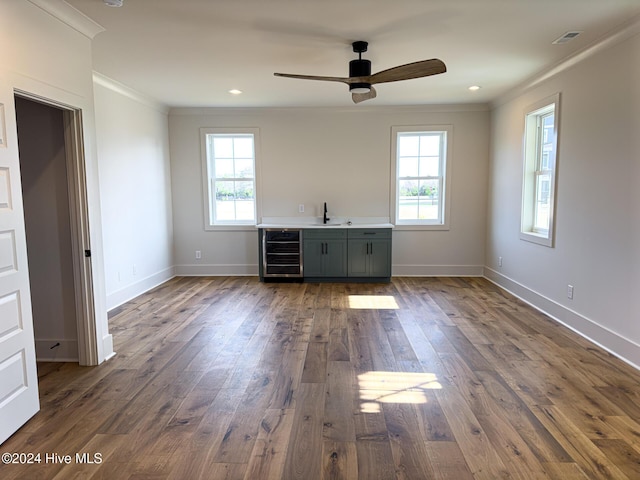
[361, 81]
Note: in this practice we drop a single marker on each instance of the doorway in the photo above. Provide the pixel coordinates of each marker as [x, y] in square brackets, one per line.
[54, 198]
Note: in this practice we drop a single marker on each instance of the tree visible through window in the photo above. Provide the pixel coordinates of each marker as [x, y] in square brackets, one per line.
[420, 165]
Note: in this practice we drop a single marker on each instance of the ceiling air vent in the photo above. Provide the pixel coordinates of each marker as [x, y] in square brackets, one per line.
[567, 37]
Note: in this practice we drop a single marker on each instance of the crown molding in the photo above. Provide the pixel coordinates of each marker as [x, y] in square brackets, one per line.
[252, 111]
[70, 16]
[624, 32]
[115, 86]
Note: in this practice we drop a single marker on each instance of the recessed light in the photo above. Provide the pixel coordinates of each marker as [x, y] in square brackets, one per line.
[113, 3]
[235, 91]
[474, 88]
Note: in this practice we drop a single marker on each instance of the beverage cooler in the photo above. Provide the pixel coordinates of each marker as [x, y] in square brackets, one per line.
[281, 253]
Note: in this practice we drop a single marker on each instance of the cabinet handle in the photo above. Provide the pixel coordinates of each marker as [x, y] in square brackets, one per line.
[322, 248]
[371, 248]
[326, 248]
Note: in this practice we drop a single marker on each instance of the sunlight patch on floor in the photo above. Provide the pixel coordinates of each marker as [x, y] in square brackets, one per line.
[373, 302]
[377, 388]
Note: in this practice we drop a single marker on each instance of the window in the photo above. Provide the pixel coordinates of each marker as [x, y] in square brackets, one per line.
[420, 167]
[539, 173]
[229, 172]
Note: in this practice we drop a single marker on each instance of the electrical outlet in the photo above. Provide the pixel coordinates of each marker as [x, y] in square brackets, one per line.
[499, 261]
[135, 271]
[198, 254]
[301, 208]
[570, 292]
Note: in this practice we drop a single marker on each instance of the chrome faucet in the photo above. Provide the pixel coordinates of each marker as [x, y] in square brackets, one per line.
[325, 219]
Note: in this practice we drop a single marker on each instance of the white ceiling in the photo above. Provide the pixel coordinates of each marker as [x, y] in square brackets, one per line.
[192, 52]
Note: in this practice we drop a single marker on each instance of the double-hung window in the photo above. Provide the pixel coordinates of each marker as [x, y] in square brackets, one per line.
[421, 175]
[539, 173]
[229, 172]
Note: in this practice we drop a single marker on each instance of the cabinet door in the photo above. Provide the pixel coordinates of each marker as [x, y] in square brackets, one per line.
[313, 257]
[335, 258]
[380, 258]
[358, 257]
[325, 258]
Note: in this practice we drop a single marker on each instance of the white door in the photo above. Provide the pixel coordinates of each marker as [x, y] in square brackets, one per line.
[18, 375]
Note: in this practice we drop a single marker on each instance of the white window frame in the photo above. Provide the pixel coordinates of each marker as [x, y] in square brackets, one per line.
[442, 223]
[533, 170]
[208, 179]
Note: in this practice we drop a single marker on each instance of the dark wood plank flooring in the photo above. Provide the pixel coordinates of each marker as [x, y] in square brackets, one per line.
[421, 378]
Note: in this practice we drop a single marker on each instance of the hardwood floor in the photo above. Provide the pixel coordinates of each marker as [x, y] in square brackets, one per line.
[443, 378]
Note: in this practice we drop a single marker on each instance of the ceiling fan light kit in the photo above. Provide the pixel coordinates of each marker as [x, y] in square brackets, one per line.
[360, 80]
[360, 87]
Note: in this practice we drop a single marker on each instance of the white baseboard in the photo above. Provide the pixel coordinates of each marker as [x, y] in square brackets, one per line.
[125, 294]
[56, 350]
[107, 348]
[398, 270]
[623, 348]
[437, 270]
[234, 270]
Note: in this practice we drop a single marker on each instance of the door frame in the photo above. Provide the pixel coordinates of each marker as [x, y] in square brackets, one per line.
[80, 229]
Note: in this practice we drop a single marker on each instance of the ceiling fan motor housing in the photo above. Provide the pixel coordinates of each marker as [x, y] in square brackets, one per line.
[359, 68]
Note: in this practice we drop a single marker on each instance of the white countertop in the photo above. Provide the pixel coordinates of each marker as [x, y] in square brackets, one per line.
[320, 225]
[335, 222]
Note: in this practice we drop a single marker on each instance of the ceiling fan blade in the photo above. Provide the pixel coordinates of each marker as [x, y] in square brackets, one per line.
[361, 97]
[314, 77]
[420, 69]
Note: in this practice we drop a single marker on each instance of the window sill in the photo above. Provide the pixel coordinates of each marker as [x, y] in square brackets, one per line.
[537, 238]
[230, 228]
[420, 227]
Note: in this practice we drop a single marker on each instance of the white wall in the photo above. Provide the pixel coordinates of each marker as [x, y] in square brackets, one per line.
[133, 148]
[46, 57]
[341, 156]
[597, 244]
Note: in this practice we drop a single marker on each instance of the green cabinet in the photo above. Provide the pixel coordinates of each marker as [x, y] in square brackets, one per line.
[369, 253]
[362, 254]
[325, 253]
